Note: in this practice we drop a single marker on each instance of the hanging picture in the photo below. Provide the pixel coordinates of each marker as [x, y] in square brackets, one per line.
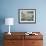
[27, 16]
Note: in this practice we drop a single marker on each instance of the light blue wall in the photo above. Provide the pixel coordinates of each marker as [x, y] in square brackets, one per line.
[9, 8]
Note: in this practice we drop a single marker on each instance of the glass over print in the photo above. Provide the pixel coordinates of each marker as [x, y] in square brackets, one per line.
[27, 15]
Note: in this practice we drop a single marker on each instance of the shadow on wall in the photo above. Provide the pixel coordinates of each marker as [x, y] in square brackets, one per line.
[2, 21]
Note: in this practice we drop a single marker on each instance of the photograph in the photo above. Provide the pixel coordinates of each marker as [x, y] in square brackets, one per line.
[27, 16]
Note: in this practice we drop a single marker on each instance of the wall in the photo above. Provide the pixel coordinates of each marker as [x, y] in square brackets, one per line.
[9, 8]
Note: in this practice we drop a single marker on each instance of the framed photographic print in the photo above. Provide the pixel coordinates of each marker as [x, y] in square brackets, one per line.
[27, 16]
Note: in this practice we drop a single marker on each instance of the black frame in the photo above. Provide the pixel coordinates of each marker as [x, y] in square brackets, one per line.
[19, 10]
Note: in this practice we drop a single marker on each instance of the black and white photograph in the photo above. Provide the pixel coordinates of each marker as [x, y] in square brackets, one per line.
[27, 15]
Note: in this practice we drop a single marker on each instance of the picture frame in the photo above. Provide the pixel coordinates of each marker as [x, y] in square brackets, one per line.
[27, 16]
